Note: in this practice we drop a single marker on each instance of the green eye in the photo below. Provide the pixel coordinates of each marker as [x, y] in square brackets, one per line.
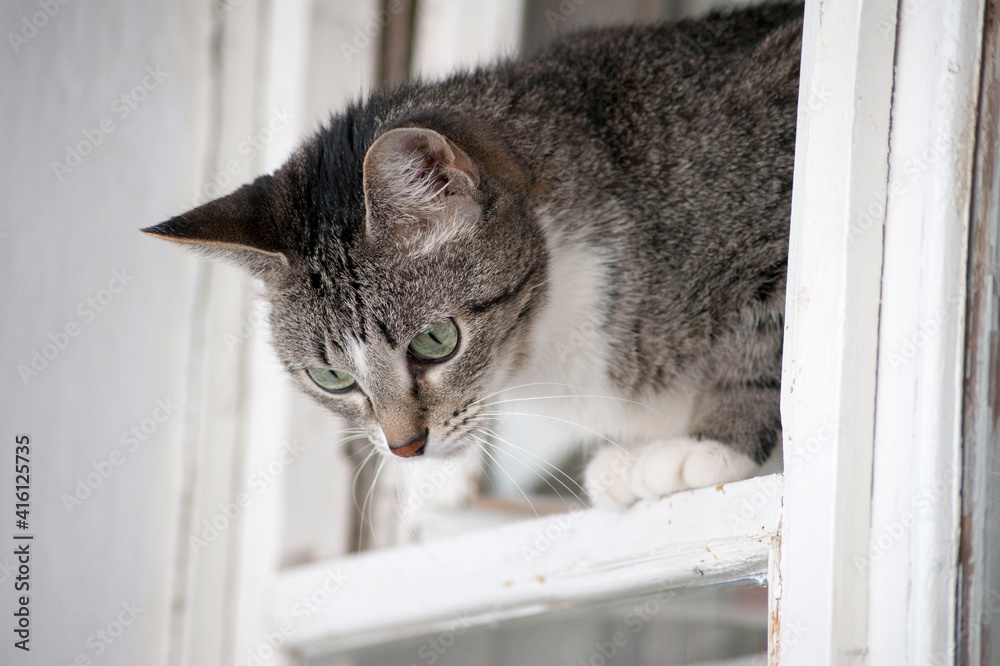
[436, 343]
[333, 381]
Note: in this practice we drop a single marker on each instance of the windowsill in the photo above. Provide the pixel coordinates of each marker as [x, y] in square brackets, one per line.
[705, 536]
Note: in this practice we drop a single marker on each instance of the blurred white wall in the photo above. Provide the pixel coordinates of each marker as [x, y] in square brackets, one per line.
[115, 92]
[119, 115]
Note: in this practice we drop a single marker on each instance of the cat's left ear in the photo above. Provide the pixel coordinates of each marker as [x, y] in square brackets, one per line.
[242, 227]
[413, 177]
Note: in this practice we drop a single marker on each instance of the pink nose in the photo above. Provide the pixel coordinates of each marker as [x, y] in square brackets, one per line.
[415, 447]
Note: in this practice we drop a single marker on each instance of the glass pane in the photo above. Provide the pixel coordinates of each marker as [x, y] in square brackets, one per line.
[715, 625]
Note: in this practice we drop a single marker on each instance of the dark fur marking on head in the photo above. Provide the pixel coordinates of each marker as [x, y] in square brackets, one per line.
[505, 297]
[389, 337]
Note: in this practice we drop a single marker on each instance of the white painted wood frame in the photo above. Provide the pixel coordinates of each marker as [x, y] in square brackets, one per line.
[701, 537]
[227, 547]
[831, 331]
[871, 526]
[915, 524]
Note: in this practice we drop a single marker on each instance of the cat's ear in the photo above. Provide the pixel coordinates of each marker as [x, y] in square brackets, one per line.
[241, 227]
[414, 177]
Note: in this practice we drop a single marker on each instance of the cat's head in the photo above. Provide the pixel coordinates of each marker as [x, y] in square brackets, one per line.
[403, 271]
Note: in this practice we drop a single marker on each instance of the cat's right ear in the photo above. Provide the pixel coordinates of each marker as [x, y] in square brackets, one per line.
[419, 187]
[242, 227]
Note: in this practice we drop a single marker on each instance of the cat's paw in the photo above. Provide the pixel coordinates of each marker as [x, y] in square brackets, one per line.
[662, 468]
[607, 478]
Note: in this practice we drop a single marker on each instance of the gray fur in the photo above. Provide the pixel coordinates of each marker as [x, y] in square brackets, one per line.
[667, 150]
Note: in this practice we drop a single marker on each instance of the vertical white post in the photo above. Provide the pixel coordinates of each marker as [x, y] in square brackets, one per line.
[229, 543]
[913, 558]
[267, 452]
[828, 383]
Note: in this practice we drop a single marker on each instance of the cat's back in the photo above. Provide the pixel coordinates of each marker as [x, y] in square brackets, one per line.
[669, 61]
[739, 62]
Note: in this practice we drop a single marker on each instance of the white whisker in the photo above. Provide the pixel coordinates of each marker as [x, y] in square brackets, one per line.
[560, 420]
[401, 510]
[521, 386]
[501, 467]
[369, 496]
[547, 464]
[357, 474]
[539, 474]
[575, 395]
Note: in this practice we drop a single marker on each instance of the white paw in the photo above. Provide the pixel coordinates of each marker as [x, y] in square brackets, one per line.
[662, 468]
[607, 478]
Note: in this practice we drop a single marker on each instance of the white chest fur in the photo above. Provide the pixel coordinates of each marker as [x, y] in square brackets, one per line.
[565, 397]
[567, 380]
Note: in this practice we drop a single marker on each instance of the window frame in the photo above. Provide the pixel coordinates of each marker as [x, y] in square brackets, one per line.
[868, 266]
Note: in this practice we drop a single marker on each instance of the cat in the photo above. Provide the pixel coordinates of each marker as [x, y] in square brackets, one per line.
[606, 218]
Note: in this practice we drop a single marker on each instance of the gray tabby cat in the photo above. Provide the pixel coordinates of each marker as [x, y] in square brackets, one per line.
[628, 189]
